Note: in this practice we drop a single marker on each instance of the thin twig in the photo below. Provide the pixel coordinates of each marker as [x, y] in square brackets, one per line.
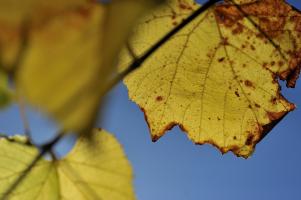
[24, 118]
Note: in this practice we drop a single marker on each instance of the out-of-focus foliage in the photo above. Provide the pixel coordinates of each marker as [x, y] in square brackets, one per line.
[5, 93]
[63, 53]
[101, 172]
[32, 14]
[217, 77]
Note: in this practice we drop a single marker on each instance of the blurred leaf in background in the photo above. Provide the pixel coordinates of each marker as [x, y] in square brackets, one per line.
[63, 56]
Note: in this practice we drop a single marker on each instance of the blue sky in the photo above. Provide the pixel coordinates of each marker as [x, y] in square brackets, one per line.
[175, 169]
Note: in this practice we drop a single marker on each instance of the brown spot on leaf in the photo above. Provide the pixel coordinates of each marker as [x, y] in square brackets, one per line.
[280, 63]
[270, 12]
[221, 59]
[249, 83]
[250, 140]
[257, 105]
[238, 29]
[185, 6]
[224, 41]
[272, 26]
[159, 98]
[227, 15]
[237, 94]
[274, 100]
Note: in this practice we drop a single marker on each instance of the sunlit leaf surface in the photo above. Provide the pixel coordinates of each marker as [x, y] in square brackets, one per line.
[217, 79]
[68, 52]
[101, 172]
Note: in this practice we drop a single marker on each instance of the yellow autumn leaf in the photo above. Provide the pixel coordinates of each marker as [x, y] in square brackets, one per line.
[68, 57]
[217, 78]
[101, 172]
[14, 14]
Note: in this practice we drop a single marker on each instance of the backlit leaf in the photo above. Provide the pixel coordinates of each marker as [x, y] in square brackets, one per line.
[70, 55]
[217, 79]
[14, 14]
[101, 172]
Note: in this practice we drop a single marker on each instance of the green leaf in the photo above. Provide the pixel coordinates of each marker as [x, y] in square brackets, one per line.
[87, 172]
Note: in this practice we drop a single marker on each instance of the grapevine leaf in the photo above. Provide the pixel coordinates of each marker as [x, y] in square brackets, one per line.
[101, 172]
[69, 55]
[217, 78]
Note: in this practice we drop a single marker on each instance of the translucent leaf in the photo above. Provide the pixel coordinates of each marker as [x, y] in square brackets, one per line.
[101, 172]
[14, 14]
[217, 78]
[70, 56]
